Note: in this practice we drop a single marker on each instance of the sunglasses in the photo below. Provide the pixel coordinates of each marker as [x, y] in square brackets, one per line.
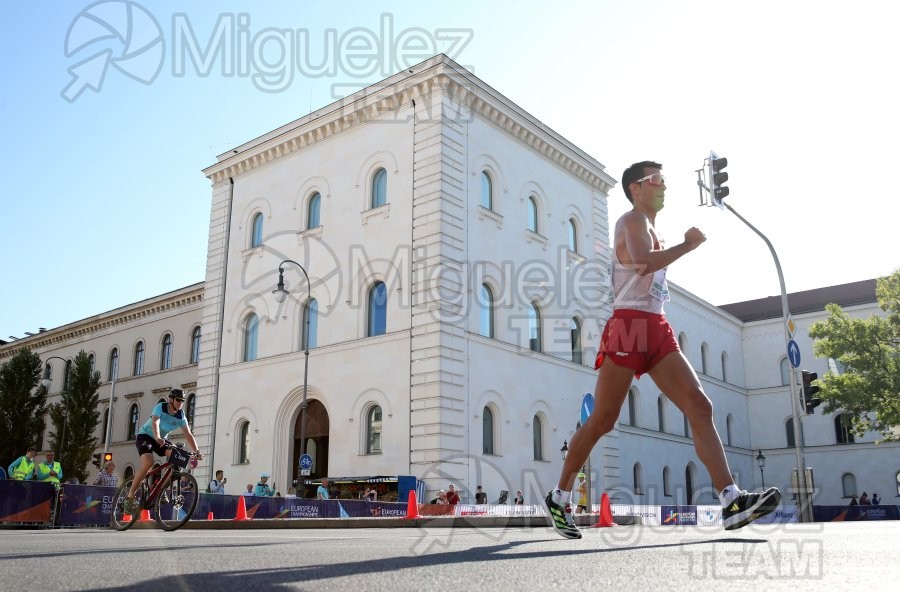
[177, 399]
[654, 179]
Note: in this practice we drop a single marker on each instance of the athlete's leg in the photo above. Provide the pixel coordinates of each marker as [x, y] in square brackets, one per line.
[609, 394]
[675, 377]
[146, 463]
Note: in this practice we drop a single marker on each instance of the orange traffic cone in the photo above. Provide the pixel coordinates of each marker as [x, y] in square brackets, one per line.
[412, 507]
[606, 518]
[241, 509]
[209, 516]
[126, 517]
[145, 516]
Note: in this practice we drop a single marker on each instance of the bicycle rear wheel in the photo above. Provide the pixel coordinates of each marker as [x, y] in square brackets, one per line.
[175, 505]
[118, 518]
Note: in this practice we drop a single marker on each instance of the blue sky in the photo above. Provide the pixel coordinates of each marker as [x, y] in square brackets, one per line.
[105, 203]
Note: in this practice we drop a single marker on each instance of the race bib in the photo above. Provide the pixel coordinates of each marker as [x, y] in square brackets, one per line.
[659, 289]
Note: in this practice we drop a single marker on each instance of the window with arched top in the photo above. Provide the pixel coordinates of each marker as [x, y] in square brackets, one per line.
[632, 407]
[313, 211]
[729, 430]
[637, 478]
[190, 408]
[243, 452]
[537, 431]
[843, 428]
[534, 328]
[682, 342]
[487, 431]
[575, 340]
[532, 214]
[687, 426]
[667, 482]
[573, 235]
[377, 310]
[487, 191]
[91, 363]
[128, 474]
[661, 412]
[138, 359]
[256, 230]
[48, 370]
[195, 345]
[250, 330]
[486, 312]
[689, 484]
[789, 432]
[309, 327]
[113, 370]
[134, 416]
[165, 353]
[373, 430]
[67, 375]
[379, 188]
[724, 359]
[785, 372]
[848, 484]
[704, 357]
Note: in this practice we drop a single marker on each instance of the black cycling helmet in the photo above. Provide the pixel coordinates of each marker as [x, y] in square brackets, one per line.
[176, 393]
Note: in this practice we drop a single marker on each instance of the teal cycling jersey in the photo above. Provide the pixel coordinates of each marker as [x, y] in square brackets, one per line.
[167, 422]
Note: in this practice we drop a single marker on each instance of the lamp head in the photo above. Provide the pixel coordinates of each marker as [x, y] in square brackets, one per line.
[280, 292]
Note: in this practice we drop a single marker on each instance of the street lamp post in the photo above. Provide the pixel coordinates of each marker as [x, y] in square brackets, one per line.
[565, 449]
[761, 462]
[280, 295]
[45, 382]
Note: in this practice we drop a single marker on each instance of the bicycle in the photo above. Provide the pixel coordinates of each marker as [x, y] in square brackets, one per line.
[173, 496]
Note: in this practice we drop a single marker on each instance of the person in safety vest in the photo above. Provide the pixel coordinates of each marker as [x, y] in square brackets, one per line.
[49, 470]
[22, 469]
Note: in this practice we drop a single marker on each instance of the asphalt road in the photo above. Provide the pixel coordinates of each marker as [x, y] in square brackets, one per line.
[859, 557]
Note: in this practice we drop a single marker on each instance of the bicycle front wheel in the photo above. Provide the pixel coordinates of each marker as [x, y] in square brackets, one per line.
[175, 504]
[118, 517]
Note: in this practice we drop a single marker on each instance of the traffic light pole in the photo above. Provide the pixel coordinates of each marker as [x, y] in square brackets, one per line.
[803, 502]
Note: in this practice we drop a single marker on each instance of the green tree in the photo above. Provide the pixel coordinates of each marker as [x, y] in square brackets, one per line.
[75, 419]
[867, 349]
[22, 405]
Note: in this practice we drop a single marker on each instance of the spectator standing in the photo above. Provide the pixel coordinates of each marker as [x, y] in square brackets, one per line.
[249, 489]
[107, 477]
[217, 485]
[875, 500]
[452, 495]
[48, 471]
[322, 490]
[480, 496]
[864, 499]
[22, 469]
[441, 498]
[581, 488]
[519, 500]
[853, 502]
[263, 488]
[291, 494]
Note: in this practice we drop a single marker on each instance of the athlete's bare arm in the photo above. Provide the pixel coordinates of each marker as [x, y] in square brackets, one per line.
[636, 244]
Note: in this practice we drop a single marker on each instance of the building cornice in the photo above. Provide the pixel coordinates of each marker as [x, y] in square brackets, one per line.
[146, 309]
[377, 101]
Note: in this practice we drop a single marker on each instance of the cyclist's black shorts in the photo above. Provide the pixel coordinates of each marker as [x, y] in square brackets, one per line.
[147, 444]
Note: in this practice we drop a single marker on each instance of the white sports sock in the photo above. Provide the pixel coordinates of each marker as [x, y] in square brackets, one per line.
[560, 497]
[729, 493]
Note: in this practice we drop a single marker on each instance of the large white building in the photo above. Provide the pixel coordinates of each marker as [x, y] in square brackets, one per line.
[450, 256]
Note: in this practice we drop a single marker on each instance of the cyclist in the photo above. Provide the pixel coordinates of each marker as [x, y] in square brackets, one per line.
[165, 418]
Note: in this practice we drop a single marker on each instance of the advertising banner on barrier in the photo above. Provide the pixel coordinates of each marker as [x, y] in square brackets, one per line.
[854, 513]
[678, 515]
[225, 507]
[85, 505]
[25, 502]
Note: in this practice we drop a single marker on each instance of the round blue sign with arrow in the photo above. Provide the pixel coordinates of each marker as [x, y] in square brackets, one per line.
[793, 352]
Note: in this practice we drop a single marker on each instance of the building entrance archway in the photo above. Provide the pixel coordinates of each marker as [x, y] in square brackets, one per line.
[317, 428]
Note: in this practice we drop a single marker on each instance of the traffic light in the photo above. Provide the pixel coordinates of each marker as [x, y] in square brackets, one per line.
[717, 178]
[96, 461]
[107, 456]
[810, 400]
